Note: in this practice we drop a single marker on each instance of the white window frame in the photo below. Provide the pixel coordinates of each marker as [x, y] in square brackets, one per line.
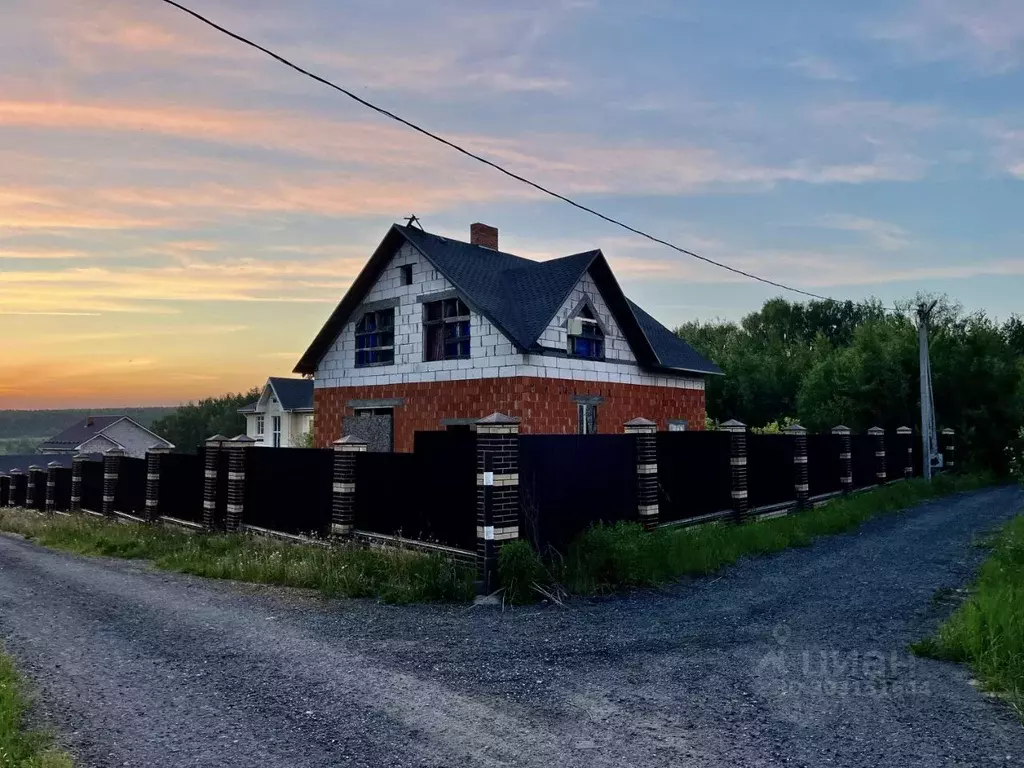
[261, 425]
[275, 422]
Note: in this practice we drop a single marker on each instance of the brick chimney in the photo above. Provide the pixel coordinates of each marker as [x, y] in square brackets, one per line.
[482, 234]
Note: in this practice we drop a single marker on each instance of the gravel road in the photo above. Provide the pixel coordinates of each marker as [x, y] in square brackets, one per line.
[798, 659]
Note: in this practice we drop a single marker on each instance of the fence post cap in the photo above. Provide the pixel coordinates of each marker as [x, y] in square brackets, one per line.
[350, 443]
[240, 441]
[54, 465]
[80, 456]
[876, 431]
[640, 425]
[949, 431]
[215, 439]
[840, 430]
[794, 429]
[17, 471]
[904, 431]
[498, 419]
[34, 468]
[114, 452]
[158, 448]
[733, 425]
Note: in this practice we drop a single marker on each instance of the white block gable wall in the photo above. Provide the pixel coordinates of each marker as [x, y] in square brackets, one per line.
[492, 354]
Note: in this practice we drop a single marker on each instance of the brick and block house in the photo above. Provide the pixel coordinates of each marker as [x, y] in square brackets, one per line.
[437, 333]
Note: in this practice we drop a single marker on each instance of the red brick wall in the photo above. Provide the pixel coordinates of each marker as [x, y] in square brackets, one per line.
[543, 405]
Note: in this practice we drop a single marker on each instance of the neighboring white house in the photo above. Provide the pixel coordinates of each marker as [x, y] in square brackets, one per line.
[283, 415]
[96, 434]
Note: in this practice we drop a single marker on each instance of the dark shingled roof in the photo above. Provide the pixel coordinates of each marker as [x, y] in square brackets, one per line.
[293, 394]
[24, 461]
[79, 432]
[518, 296]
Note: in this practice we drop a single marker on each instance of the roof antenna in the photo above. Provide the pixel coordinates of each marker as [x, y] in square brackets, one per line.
[413, 221]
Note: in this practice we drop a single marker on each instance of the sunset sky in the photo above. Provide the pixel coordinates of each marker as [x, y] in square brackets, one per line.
[178, 215]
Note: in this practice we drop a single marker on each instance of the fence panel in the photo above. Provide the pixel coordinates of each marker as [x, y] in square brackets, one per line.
[693, 474]
[19, 486]
[770, 472]
[386, 497]
[569, 482]
[62, 489]
[181, 486]
[823, 467]
[864, 461]
[38, 482]
[446, 478]
[289, 489]
[130, 492]
[92, 486]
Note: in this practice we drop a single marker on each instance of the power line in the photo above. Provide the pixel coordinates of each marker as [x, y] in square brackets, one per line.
[490, 163]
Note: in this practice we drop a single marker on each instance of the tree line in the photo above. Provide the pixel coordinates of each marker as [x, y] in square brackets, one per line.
[827, 363]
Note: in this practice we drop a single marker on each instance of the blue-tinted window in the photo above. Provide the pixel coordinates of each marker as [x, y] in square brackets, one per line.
[375, 338]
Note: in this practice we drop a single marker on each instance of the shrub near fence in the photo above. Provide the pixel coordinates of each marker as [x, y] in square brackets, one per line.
[693, 474]
[770, 471]
[130, 491]
[92, 486]
[181, 487]
[289, 489]
[569, 482]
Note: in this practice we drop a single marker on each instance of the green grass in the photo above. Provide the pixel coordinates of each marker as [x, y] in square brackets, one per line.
[391, 575]
[20, 747]
[607, 558]
[987, 631]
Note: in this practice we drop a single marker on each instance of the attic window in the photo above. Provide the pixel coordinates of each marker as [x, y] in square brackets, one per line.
[586, 339]
[446, 330]
[406, 270]
[375, 338]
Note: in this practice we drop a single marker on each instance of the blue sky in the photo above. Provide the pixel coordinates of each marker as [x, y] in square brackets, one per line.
[179, 215]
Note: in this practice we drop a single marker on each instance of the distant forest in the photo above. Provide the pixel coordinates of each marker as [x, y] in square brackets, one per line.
[22, 431]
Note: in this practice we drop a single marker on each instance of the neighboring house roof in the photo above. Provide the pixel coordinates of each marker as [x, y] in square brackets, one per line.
[291, 394]
[82, 431]
[519, 296]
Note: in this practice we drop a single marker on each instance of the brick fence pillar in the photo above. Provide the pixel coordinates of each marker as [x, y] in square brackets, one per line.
[881, 474]
[343, 512]
[738, 468]
[51, 486]
[5, 489]
[948, 448]
[645, 433]
[905, 434]
[34, 492]
[497, 491]
[845, 457]
[237, 451]
[801, 482]
[77, 461]
[16, 475]
[213, 447]
[111, 469]
[154, 463]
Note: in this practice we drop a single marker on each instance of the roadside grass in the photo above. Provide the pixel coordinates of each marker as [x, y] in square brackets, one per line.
[987, 631]
[20, 747]
[607, 558]
[391, 575]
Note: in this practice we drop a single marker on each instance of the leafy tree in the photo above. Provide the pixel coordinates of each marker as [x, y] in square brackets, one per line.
[192, 423]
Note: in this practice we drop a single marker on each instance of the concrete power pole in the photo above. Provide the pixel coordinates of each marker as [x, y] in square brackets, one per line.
[929, 437]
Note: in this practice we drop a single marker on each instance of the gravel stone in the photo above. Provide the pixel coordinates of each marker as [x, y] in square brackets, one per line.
[797, 659]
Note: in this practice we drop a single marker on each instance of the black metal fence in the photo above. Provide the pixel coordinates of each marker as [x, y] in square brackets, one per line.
[824, 468]
[62, 489]
[130, 491]
[770, 474]
[569, 482]
[19, 489]
[429, 495]
[693, 474]
[92, 486]
[289, 489]
[181, 486]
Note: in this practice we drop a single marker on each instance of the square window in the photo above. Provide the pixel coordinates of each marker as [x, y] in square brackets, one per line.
[375, 338]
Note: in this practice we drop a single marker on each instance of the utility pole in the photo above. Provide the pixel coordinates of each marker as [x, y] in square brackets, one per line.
[929, 437]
